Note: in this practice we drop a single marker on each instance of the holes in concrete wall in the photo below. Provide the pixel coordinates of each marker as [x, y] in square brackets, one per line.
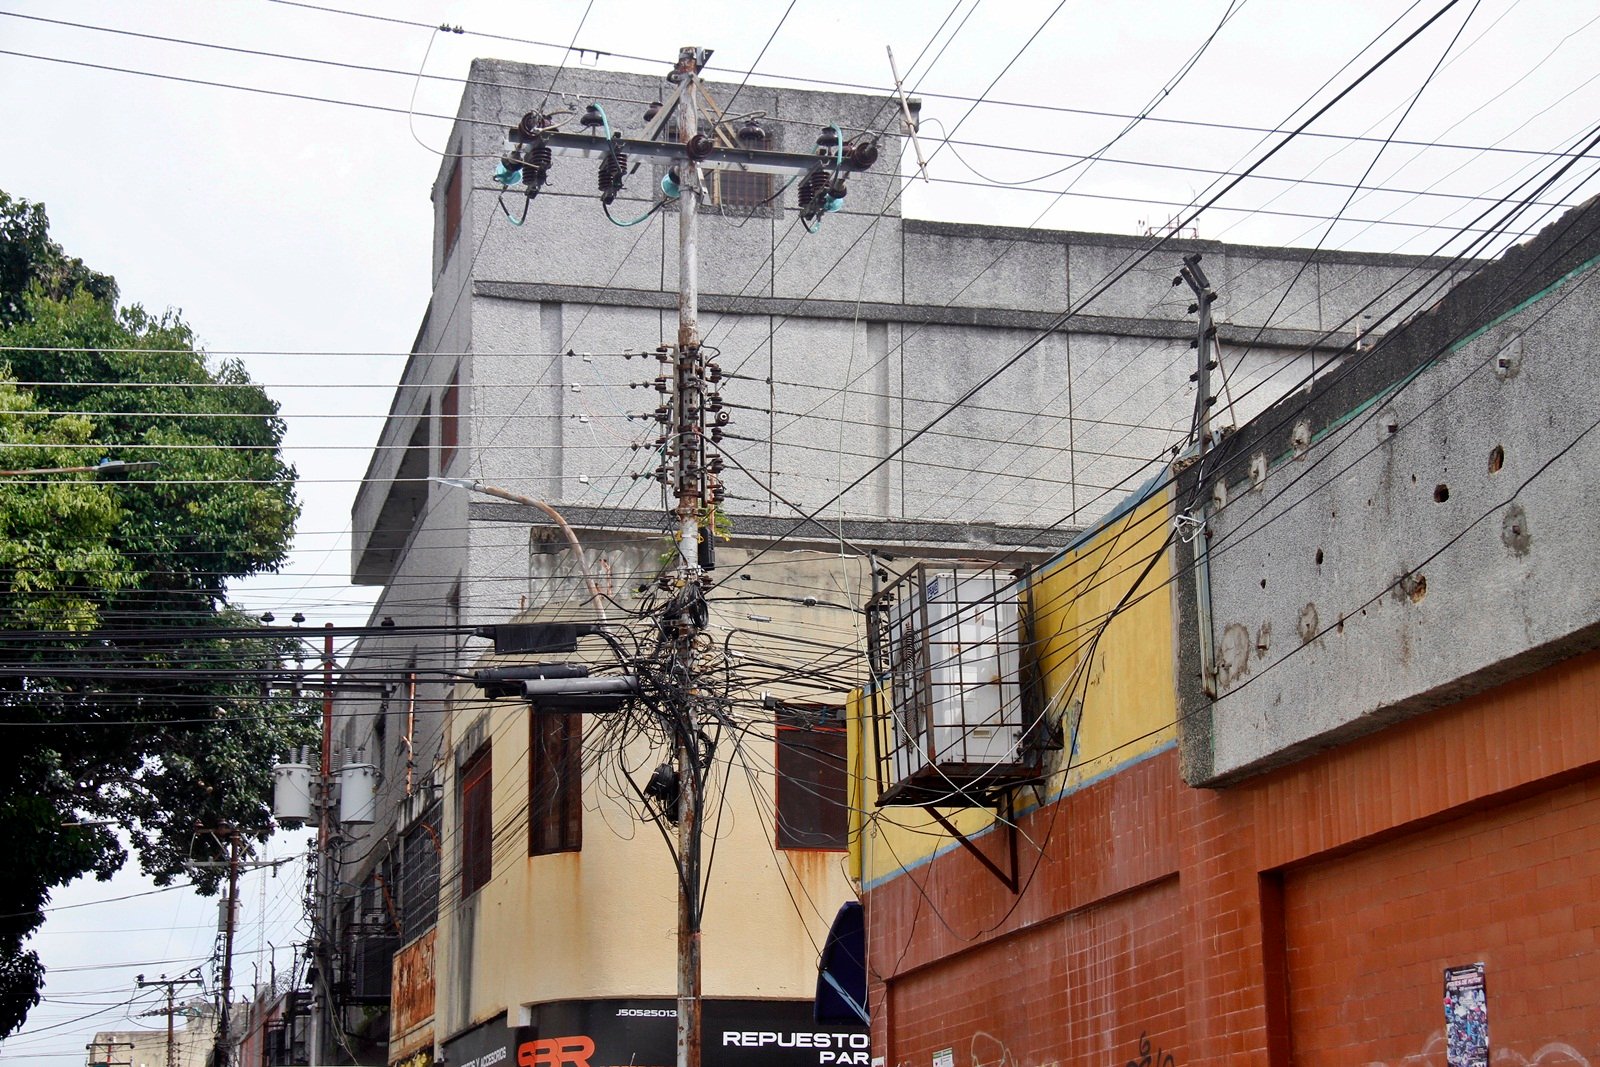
[1300, 437]
[1308, 624]
[1414, 586]
[1508, 362]
[1497, 459]
[1514, 530]
[1263, 583]
[1319, 557]
[1441, 493]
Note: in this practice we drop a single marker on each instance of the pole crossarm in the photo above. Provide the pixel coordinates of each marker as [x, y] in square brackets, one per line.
[753, 160]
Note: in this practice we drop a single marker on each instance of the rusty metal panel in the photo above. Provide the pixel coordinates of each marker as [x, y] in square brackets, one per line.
[413, 986]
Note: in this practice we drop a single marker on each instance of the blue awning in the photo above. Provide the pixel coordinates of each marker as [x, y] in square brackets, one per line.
[842, 970]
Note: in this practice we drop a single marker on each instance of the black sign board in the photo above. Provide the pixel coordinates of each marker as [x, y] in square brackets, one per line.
[644, 1034]
[483, 1046]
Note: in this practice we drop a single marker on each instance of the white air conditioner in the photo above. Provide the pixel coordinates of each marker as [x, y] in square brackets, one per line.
[951, 684]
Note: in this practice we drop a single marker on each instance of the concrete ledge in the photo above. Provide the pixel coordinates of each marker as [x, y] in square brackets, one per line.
[1025, 543]
[931, 314]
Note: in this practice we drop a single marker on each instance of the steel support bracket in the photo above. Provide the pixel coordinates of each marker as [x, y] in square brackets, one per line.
[1009, 828]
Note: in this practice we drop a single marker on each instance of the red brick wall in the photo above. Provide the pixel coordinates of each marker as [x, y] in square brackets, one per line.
[1055, 991]
[1193, 914]
[1367, 936]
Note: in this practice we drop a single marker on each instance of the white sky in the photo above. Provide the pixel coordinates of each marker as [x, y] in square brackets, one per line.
[290, 226]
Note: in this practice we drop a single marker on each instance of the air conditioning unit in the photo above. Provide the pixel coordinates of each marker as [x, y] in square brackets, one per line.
[946, 664]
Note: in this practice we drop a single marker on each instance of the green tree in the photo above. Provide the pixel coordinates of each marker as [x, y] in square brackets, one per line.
[119, 700]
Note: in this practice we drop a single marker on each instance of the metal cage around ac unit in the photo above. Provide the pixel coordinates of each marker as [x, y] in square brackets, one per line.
[949, 725]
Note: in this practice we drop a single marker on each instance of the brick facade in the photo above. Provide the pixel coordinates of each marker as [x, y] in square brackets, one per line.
[1302, 917]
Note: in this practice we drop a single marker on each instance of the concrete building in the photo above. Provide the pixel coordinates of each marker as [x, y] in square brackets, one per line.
[193, 1037]
[1371, 835]
[842, 353]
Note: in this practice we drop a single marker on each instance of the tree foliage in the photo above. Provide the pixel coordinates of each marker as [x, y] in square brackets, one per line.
[121, 707]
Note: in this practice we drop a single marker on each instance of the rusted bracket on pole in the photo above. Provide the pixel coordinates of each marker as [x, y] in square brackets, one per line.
[1007, 879]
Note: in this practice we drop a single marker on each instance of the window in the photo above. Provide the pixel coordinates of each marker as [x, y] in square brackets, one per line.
[813, 804]
[477, 822]
[449, 422]
[452, 210]
[555, 783]
[739, 188]
[419, 875]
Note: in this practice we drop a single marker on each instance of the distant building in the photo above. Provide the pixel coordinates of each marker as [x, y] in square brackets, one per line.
[193, 1038]
[274, 1028]
[508, 884]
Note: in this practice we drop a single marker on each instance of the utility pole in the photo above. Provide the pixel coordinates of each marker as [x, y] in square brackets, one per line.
[1205, 362]
[819, 179]
[169, 1011]
[690, 445]
[322, 1007]
[109, 1044]
[230, 920]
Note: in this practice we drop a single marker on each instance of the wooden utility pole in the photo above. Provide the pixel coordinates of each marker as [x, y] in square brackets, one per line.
[171, 985]
[230, 921]
[322, 949]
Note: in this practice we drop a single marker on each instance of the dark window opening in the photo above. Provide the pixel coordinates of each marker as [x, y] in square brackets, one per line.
[380, 736]
[813, 800]
[555, 783]
[419, 876]
[452, 210]
[477, 822]
[449, 422]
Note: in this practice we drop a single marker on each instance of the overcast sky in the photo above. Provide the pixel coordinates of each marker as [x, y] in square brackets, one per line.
[283, 227]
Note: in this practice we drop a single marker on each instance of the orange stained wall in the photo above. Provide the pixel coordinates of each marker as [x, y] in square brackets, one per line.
[1301, 917]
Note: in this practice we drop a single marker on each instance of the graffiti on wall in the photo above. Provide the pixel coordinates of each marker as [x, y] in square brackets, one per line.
[1147, 1058]
[1550, 1054]
[986, 1050]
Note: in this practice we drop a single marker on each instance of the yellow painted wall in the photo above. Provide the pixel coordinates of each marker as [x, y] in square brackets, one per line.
[603, 922]
[1126, 692]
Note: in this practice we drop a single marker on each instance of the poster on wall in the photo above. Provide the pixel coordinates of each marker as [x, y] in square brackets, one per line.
[1466, 1017]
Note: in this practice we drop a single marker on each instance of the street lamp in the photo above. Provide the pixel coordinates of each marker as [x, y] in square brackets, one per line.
[474, 486]
[105, 470]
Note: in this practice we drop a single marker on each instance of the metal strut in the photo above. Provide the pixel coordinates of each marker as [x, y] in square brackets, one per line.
[1009, 880]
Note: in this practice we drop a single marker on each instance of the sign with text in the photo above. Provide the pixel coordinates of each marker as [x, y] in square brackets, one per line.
[483, 1046]
[644, 1033]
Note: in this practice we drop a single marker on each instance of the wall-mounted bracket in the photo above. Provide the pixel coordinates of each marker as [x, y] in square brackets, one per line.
[1008, 823]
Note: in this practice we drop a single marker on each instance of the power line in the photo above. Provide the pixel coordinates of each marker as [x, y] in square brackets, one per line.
[888, 90]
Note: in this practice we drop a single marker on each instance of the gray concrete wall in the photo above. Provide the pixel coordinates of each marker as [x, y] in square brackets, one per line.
[1416, 529]
[848, 341]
